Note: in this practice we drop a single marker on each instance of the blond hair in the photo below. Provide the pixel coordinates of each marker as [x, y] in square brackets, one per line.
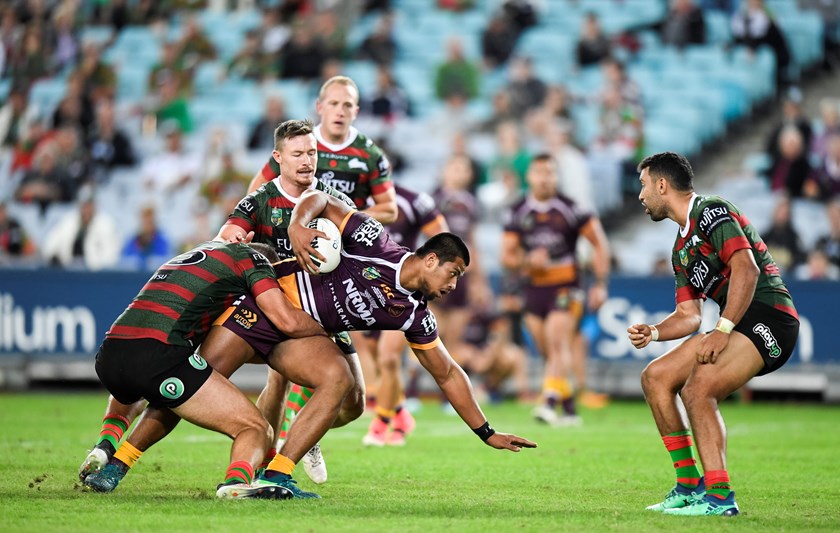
[342, 80]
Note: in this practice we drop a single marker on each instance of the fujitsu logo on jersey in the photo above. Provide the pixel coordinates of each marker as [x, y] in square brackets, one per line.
[341, 185]
[712, 217]
[355, 301]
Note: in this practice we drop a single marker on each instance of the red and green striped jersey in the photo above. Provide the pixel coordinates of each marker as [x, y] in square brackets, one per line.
[716, 229]
[267, 211]
[358, 167]
[180, 301]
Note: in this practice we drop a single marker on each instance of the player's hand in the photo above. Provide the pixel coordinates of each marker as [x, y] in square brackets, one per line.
[639, 335]
[710, 346]
[506, 441]
[597, 296]
[538, 258]
[301, 239]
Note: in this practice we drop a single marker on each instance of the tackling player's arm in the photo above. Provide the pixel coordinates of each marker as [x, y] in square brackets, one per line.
[384, 208]
[456, 387]
[685, 320]
[313, 204]
[594, 233]
[287, 318]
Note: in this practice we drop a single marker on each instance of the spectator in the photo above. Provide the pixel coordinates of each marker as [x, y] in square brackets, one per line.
[458, 144]
[84, 238]
[791, 170]
[46, 182]
[554, 112]
[109, 146]
[333, 34]
[575, 179]
[502, 112]
[593, 46]
[174, 167]
[388, 101]
[829, 10]
[100, 79]
[511, 161]
[455, 5]
[262, 134]
[251, 63]
[173, 106]
[380, 46]
[526, 90]
[31, 63]
[615, 75]
[273, 33]
[620, 133]
[782, 240]
[303, 56]
[792, 115]
[498, 41]
[63, 40]
[456, 75]
[14, 242]
[14, 116]
[194, 47]
[828, 125]
[683, 25]
[827, 176]
[753, 27]
[149, 248]
[76, 108]
[170, 67]
[830, 244]
[229, 181]
[818, 268]
[522, 13]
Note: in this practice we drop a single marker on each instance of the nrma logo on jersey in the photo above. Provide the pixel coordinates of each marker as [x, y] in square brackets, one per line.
[45, 328]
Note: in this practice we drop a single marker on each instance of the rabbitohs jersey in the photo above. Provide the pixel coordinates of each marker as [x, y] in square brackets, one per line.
[357, 168]
[364, 291]
[267, 211]
[179, 302]
[717, 229]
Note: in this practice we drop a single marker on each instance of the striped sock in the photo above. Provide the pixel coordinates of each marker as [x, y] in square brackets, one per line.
[556, 390]
[717, 484]
[298, 396]
[385, 414]
[113, 428]
[281, 464]
[239, 472]
[678, 445]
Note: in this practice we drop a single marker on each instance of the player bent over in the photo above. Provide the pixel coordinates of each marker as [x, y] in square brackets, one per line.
[719, 255]
[149, 351]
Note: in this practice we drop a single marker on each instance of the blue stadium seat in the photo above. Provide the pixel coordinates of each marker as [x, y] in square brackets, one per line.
[46, 94]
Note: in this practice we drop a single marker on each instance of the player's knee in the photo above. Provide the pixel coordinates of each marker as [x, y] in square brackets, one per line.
[338, 377]
[389, 363]
[696, 392]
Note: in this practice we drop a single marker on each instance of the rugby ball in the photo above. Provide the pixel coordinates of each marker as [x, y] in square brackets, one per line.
[330, 247]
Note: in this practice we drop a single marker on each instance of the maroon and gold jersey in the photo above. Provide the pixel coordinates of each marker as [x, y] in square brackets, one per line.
[717, 229]
[364, 291]
[555, 225]
[417, 210]
[181, 300]
[357, 168]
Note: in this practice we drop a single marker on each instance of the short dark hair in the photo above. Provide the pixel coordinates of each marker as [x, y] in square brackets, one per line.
[268, 251]
[543, 156]
[671, 166]
[447, 247]
[291, 128]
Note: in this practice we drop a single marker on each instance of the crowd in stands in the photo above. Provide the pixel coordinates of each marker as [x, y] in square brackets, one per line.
[129, 128]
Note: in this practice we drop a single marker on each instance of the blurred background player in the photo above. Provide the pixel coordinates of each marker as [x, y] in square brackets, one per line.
[418, 215]
[540, 237]
[352, 164]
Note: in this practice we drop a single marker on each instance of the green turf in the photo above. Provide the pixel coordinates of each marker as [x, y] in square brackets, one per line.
[782, 459]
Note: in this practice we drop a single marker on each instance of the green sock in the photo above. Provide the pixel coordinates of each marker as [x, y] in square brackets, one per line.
[113, 428]
[679, 447]
[298, 396]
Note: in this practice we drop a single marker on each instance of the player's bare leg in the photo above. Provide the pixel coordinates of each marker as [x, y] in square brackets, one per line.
[560, 330]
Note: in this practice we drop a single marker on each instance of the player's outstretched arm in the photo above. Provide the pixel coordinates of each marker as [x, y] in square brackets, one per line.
[684, 321]
[456, 387]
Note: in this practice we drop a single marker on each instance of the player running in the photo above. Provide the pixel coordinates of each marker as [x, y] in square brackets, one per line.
[719, 255]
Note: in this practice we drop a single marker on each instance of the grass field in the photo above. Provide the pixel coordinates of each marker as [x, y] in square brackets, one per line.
[782, 458]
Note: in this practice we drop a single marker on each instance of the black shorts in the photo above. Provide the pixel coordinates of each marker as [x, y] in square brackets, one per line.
[773, 332]
[164, 374]
[245, 319]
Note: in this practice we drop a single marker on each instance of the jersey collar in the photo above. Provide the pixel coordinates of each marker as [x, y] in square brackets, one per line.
[351, 136]
[288, 196]
[684, 229]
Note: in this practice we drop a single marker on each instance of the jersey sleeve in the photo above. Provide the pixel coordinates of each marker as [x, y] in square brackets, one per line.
[426, 210]
[422, 334]
[270, 170]
[361, 234]
[684, 290]
[721, 225]
[244, 214]
[257, 271]
[380, 176]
